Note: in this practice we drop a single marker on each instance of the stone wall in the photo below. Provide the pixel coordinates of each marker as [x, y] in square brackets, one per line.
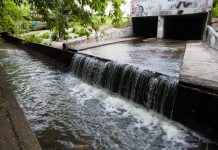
[211, 37]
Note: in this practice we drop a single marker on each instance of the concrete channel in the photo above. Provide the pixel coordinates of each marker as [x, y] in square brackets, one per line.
[196, 101]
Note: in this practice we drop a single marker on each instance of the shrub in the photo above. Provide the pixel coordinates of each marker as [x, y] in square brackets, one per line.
[66, 37]
[83, 32]
[32, 38]
[46, 35]
[54, 36]
[215, 8]
[123, 24]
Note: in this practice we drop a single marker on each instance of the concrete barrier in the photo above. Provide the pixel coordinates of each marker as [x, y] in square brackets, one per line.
[55, 53]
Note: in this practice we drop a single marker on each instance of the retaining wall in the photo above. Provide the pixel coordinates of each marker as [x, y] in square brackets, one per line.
[55, 53]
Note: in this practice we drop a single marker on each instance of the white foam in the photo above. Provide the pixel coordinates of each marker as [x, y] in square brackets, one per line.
[143, 118]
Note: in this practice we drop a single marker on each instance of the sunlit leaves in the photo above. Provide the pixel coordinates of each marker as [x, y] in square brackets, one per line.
[11, 14]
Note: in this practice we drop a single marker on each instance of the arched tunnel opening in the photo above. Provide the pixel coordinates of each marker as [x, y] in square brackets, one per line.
[145, 26]
[185, 27]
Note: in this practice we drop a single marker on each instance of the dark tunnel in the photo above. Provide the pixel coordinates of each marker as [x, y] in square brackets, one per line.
[145, 26]
[185, 27]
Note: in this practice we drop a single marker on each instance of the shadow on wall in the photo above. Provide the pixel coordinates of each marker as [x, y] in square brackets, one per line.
[185, 27]
[145, 26]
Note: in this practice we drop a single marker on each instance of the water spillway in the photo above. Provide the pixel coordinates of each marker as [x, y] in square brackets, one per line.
[66, 112]
[153, 90]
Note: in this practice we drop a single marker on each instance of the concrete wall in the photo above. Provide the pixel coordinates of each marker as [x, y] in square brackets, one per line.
[178, 17]
[58, 54]
[109, 34]
[140, 8]
[211, 37]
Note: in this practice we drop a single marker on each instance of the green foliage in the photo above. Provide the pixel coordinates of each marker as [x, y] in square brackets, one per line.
[124, 23]
[58, 13]
[54, 36]
[46, 35]
[215, 8]
[97, 21]
[32, 38]
[83, 32]
[117, 14]
[66, 37]
[11, 15]
[80, 30]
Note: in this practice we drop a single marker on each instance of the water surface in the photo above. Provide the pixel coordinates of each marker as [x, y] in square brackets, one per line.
[163, 56]
[66, 113]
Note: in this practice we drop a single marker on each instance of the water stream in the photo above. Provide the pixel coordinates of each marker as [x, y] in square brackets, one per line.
[159, 55]
[153, 90]
[67, 113]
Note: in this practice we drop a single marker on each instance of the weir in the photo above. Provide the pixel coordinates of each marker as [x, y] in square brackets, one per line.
[90, 114]
[153, 90]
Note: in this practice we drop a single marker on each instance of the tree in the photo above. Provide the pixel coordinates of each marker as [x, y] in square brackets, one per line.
[11, 14]
[58, 12]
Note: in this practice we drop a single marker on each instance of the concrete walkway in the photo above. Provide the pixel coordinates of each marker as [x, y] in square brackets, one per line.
[200, 66]
[15, 133]
[91, 44]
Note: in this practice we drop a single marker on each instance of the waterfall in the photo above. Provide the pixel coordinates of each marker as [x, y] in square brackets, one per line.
[153, 90]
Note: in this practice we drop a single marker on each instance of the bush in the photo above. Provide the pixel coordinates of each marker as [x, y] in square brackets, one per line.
[32, 38]
[46, 35]
[83, 32]
[215, 8]
[125, 23]
[54, 36]
[66, 37]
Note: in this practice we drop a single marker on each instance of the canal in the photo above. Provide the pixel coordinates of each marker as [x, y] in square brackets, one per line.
[65, 112]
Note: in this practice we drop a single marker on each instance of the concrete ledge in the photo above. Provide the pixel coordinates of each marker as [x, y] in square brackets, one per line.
[55, 53]
[196, 104]
[93, 44]
[200, 66]
[25, 137]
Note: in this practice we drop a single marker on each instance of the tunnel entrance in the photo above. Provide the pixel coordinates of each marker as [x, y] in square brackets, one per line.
[145, 26]
[186, 27]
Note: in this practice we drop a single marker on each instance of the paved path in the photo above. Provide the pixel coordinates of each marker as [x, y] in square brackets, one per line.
[200, 66]
[15, 133]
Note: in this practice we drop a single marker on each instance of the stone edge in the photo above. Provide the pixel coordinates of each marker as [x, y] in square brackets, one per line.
[25, 136]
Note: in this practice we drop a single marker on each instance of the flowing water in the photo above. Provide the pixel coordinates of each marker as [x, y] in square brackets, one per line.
[163, 56]
[153, 90]
[67, 113]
